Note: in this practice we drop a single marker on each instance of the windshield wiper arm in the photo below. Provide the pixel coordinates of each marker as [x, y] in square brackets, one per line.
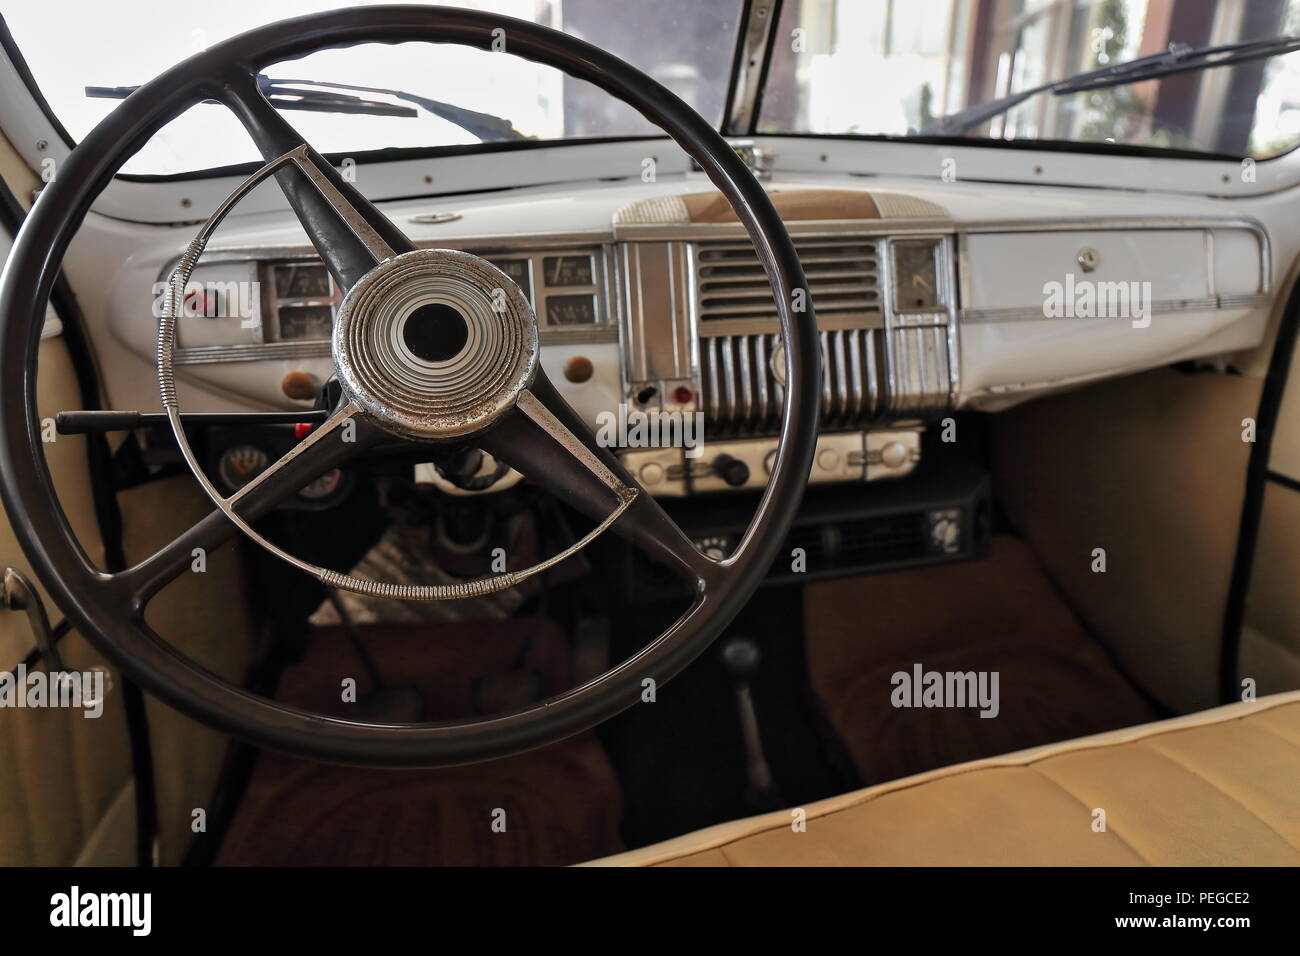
[316, 101]
[483, 125]
[1179, 58]
[323, 97]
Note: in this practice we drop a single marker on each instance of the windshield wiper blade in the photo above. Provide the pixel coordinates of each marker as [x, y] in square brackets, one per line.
[485, 126]
[1179, 58]
[316, 101]
[325, 97]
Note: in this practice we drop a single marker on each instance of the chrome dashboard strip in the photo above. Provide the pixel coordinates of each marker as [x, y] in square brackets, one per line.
[1243, 300]
[504, 244]
[320, 348]
[251, 352]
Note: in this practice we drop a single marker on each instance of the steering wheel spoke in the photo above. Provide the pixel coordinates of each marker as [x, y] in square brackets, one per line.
[543, 438]
[345, 435]
[351, 235]
[341, 437]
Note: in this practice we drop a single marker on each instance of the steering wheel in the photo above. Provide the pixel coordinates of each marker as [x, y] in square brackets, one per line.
[493, 394]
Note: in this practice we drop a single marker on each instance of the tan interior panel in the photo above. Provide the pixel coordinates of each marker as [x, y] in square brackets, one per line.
[63, 770]
[1270, 639]
[1273, 603]
[1284, 457]
[206, 617]
[1151, 469]
[67, 772]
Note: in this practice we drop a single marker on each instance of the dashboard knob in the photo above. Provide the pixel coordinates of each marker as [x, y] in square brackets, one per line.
[894, 455]
[299, 385]
[651, 473]
[731, 470]
[579, 369]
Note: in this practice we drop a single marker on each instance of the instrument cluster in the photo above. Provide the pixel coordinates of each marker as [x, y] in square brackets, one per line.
[566, 289]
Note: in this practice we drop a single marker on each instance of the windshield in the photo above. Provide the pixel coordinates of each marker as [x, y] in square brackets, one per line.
[685, 44]
[893, 67]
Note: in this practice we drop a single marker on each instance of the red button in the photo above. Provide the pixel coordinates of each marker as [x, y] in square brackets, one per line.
[302, 430]
[683, 395]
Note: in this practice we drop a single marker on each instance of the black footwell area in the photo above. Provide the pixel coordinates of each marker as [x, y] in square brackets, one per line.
[681, 760]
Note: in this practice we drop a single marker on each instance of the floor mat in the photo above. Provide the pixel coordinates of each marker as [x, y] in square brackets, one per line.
[558, 805]
[998, 614]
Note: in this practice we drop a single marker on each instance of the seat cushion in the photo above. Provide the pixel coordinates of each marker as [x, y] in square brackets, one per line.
[1221, 787]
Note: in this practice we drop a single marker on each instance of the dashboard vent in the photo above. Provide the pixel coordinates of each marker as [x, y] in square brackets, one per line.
[742, 395]
[843, 276]
[858, 542]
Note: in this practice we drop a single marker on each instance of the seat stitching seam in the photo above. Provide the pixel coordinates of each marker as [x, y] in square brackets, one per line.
[1282, 737]
[1200, 776]
[1078, 799]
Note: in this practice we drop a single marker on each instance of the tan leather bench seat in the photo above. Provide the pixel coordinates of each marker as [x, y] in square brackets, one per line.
[1221, 787]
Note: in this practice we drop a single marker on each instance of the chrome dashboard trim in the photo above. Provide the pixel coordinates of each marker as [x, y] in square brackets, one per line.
[662, 352]
[320, 348]
[504, 244]
[912, 340]
[833, 323]
[251, 352]
[1242, 300]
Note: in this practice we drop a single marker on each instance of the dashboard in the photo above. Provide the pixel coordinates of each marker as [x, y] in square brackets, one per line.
[651, 299]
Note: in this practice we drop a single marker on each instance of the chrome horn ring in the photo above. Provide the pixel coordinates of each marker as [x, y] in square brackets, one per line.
[424, 396]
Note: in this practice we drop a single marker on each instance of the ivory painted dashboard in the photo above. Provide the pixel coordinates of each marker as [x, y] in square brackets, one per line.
[929, 299]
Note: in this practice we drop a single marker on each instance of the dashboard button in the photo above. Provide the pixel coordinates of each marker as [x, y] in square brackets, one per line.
[731, 470]
[894, 455]
[651, 473]
[579, 369]
[299, 385]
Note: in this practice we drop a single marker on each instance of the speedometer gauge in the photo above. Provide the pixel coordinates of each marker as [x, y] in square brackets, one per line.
[570, 310]
[241, 464]
[306, 322]
[323, 486]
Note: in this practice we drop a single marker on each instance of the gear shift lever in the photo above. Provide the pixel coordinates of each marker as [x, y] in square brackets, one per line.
[741, 658]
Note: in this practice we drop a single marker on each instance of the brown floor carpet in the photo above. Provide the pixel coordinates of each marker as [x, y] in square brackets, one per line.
[562, 803]
[1000, 614]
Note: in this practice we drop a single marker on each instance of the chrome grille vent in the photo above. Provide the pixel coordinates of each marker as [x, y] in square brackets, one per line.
[843, 277]
[741, 394]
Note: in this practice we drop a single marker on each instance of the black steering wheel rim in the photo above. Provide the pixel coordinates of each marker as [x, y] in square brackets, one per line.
[105, 610]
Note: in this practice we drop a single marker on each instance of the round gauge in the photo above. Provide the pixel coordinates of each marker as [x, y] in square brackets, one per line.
[323, 486]
[716, 547]
[241, 464]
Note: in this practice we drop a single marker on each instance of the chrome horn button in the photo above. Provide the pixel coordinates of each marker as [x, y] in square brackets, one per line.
[435, 343]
